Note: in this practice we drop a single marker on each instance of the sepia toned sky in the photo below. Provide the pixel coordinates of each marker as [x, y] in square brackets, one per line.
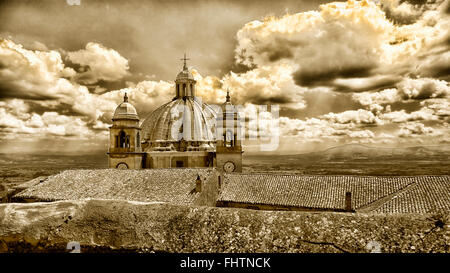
[369, 72]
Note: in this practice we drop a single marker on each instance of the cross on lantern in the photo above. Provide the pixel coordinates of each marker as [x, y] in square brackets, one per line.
[184, 60]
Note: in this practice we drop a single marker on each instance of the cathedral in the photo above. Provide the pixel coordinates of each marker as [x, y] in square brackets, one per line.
[183, 133]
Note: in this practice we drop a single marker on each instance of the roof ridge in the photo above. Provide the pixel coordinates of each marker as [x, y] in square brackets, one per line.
[372, 206]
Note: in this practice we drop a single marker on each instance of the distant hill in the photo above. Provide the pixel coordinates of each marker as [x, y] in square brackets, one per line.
[359, 151]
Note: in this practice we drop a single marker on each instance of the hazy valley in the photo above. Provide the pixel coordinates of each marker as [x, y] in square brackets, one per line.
[346, 160]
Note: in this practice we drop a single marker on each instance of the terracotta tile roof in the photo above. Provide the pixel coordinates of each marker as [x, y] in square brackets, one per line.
[316, 192]
[156, 185]
[414, 194]
[428, 194]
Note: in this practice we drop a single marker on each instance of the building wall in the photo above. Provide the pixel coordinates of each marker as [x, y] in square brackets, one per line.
[157, 162]
[233, 156]
[230, 204]
[130, 128]
[132, 160]
[169, 159]
[128, 131]
[131, 155]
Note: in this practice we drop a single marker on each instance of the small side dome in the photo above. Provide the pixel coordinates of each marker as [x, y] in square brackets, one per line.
[125, 110]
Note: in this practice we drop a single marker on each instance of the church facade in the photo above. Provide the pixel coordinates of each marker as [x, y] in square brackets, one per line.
[183, 133]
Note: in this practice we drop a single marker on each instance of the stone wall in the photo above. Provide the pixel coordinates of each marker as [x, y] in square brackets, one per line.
[102, 225]
[132, 160]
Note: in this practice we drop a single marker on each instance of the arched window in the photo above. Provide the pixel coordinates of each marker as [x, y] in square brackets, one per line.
[128, 142]
[138, 140]
[122, 165]
[229, 138]
[122, 139]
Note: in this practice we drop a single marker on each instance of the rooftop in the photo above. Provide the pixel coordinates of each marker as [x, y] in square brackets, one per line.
[152, 185]
[369, 193]
[427, 194]
[399, 194]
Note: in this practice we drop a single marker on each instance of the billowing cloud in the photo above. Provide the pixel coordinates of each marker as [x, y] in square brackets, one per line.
[411, 129]
[441, 107]
[40, 76]
[403, 116]
[436, 65]
[32, 74]
[32, 79]
[100, 63]
[360, 116]
[407, 89]
[347, 72]
[146, 96]
[402, 12]
[424, 88]
[266, 85]
[350, 46]
[321, 45]
[16, 121]
[383, 97]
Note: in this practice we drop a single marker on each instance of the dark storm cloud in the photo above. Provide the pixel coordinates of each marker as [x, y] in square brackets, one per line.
[408, 106]
[369, 84]
[40, 107]
[436, 65]
[317, 78]
[416, 2]
[279, 49]
[401, 18]
[406, 12]
[442, 72]
[10, 91]
[320, 103]
[272, 100]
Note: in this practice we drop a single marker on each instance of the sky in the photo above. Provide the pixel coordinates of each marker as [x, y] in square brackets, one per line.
[369, 72]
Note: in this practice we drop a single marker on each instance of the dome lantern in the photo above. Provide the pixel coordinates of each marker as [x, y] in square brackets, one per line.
[185, 83]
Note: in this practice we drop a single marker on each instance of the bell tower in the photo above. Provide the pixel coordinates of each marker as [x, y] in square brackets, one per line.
[229, 144]
[125, 140]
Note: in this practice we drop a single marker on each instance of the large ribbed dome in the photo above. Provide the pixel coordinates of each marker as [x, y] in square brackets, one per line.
[157, 127]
